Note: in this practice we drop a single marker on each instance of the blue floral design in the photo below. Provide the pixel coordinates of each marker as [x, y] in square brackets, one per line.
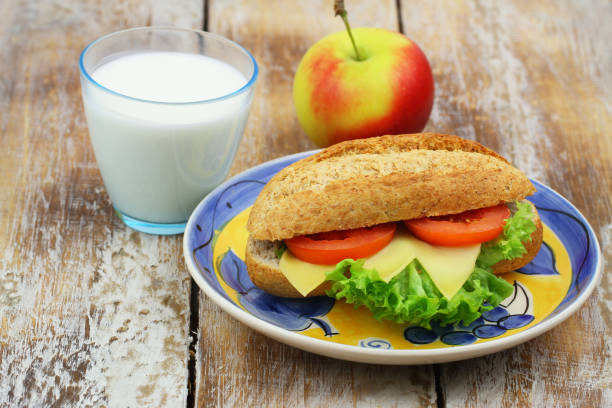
[289, 313]
[543, 264]
[493, 323]
[420, 335]
[374, 342]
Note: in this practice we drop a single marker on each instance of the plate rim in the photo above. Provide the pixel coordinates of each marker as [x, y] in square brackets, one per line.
[373, 355]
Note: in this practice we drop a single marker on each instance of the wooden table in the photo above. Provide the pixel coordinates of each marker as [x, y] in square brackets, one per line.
[95, 314]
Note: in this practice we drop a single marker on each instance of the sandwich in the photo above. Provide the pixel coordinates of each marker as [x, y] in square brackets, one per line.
[414, 227]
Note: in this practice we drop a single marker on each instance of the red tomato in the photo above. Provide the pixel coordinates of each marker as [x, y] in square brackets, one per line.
[468, 228]
[329, 248]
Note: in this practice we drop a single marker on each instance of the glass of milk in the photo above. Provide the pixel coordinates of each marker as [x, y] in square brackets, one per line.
[166, 108]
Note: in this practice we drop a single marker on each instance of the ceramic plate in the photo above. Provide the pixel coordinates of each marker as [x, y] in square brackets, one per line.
[546, 292]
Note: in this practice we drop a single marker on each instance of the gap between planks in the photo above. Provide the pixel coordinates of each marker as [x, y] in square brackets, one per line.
[194, 303]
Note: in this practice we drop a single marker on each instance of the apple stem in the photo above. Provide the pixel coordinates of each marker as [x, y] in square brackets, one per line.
[341, 11]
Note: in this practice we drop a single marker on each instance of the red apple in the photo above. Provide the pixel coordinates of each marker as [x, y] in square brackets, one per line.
[388, 89]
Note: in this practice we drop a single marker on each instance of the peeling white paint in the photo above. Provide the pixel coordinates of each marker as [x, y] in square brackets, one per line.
[91, 313]
[141, 320]
[604, 302]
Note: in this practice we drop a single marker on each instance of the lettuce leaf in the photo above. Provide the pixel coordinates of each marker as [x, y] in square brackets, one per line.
[280, 251]
[518, 229]
[412, 297]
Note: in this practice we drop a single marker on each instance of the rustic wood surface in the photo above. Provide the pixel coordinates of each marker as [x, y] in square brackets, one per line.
[94, 314]
[91, 313]
[533, 80]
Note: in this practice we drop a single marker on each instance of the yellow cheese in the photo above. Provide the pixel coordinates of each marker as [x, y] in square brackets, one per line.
[448, 267]
[304, 276]
[393, 258]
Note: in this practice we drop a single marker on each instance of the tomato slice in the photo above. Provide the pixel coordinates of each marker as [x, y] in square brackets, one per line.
[329, 248]
[468, 228]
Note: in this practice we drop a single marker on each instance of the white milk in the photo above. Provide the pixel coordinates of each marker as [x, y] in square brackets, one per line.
[158, 160]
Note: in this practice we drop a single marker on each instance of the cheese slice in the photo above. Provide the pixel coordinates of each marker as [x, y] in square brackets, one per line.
[304, 276]
[395, 257]
[448, 267]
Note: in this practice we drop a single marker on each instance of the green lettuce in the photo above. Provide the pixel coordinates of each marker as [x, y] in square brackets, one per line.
[280, 251]
[518, 229]
[412, 297]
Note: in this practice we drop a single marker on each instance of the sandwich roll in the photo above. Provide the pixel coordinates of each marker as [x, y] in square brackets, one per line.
[413, 227]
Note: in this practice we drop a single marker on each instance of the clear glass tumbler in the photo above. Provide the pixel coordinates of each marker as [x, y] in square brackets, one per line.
[159, 158]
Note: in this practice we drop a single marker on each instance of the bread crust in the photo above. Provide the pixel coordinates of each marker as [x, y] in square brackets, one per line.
[401, 143]
[366, 182]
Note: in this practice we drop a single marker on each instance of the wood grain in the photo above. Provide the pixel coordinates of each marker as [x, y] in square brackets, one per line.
[237, 366]
[94, 314]
[91, 313]
[532, 80]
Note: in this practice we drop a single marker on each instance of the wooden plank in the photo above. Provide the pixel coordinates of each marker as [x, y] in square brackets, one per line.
[532, 80]
[91, 313]
[237, 366]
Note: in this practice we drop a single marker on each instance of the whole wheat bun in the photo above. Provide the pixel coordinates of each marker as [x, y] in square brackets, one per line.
[263, 265]
[371, 181]
[365, 182]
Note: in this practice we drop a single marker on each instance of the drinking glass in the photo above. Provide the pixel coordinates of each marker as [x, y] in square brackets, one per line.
[158, 159]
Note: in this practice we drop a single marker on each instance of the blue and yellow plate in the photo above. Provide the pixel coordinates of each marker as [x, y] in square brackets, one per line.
[547, 291]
